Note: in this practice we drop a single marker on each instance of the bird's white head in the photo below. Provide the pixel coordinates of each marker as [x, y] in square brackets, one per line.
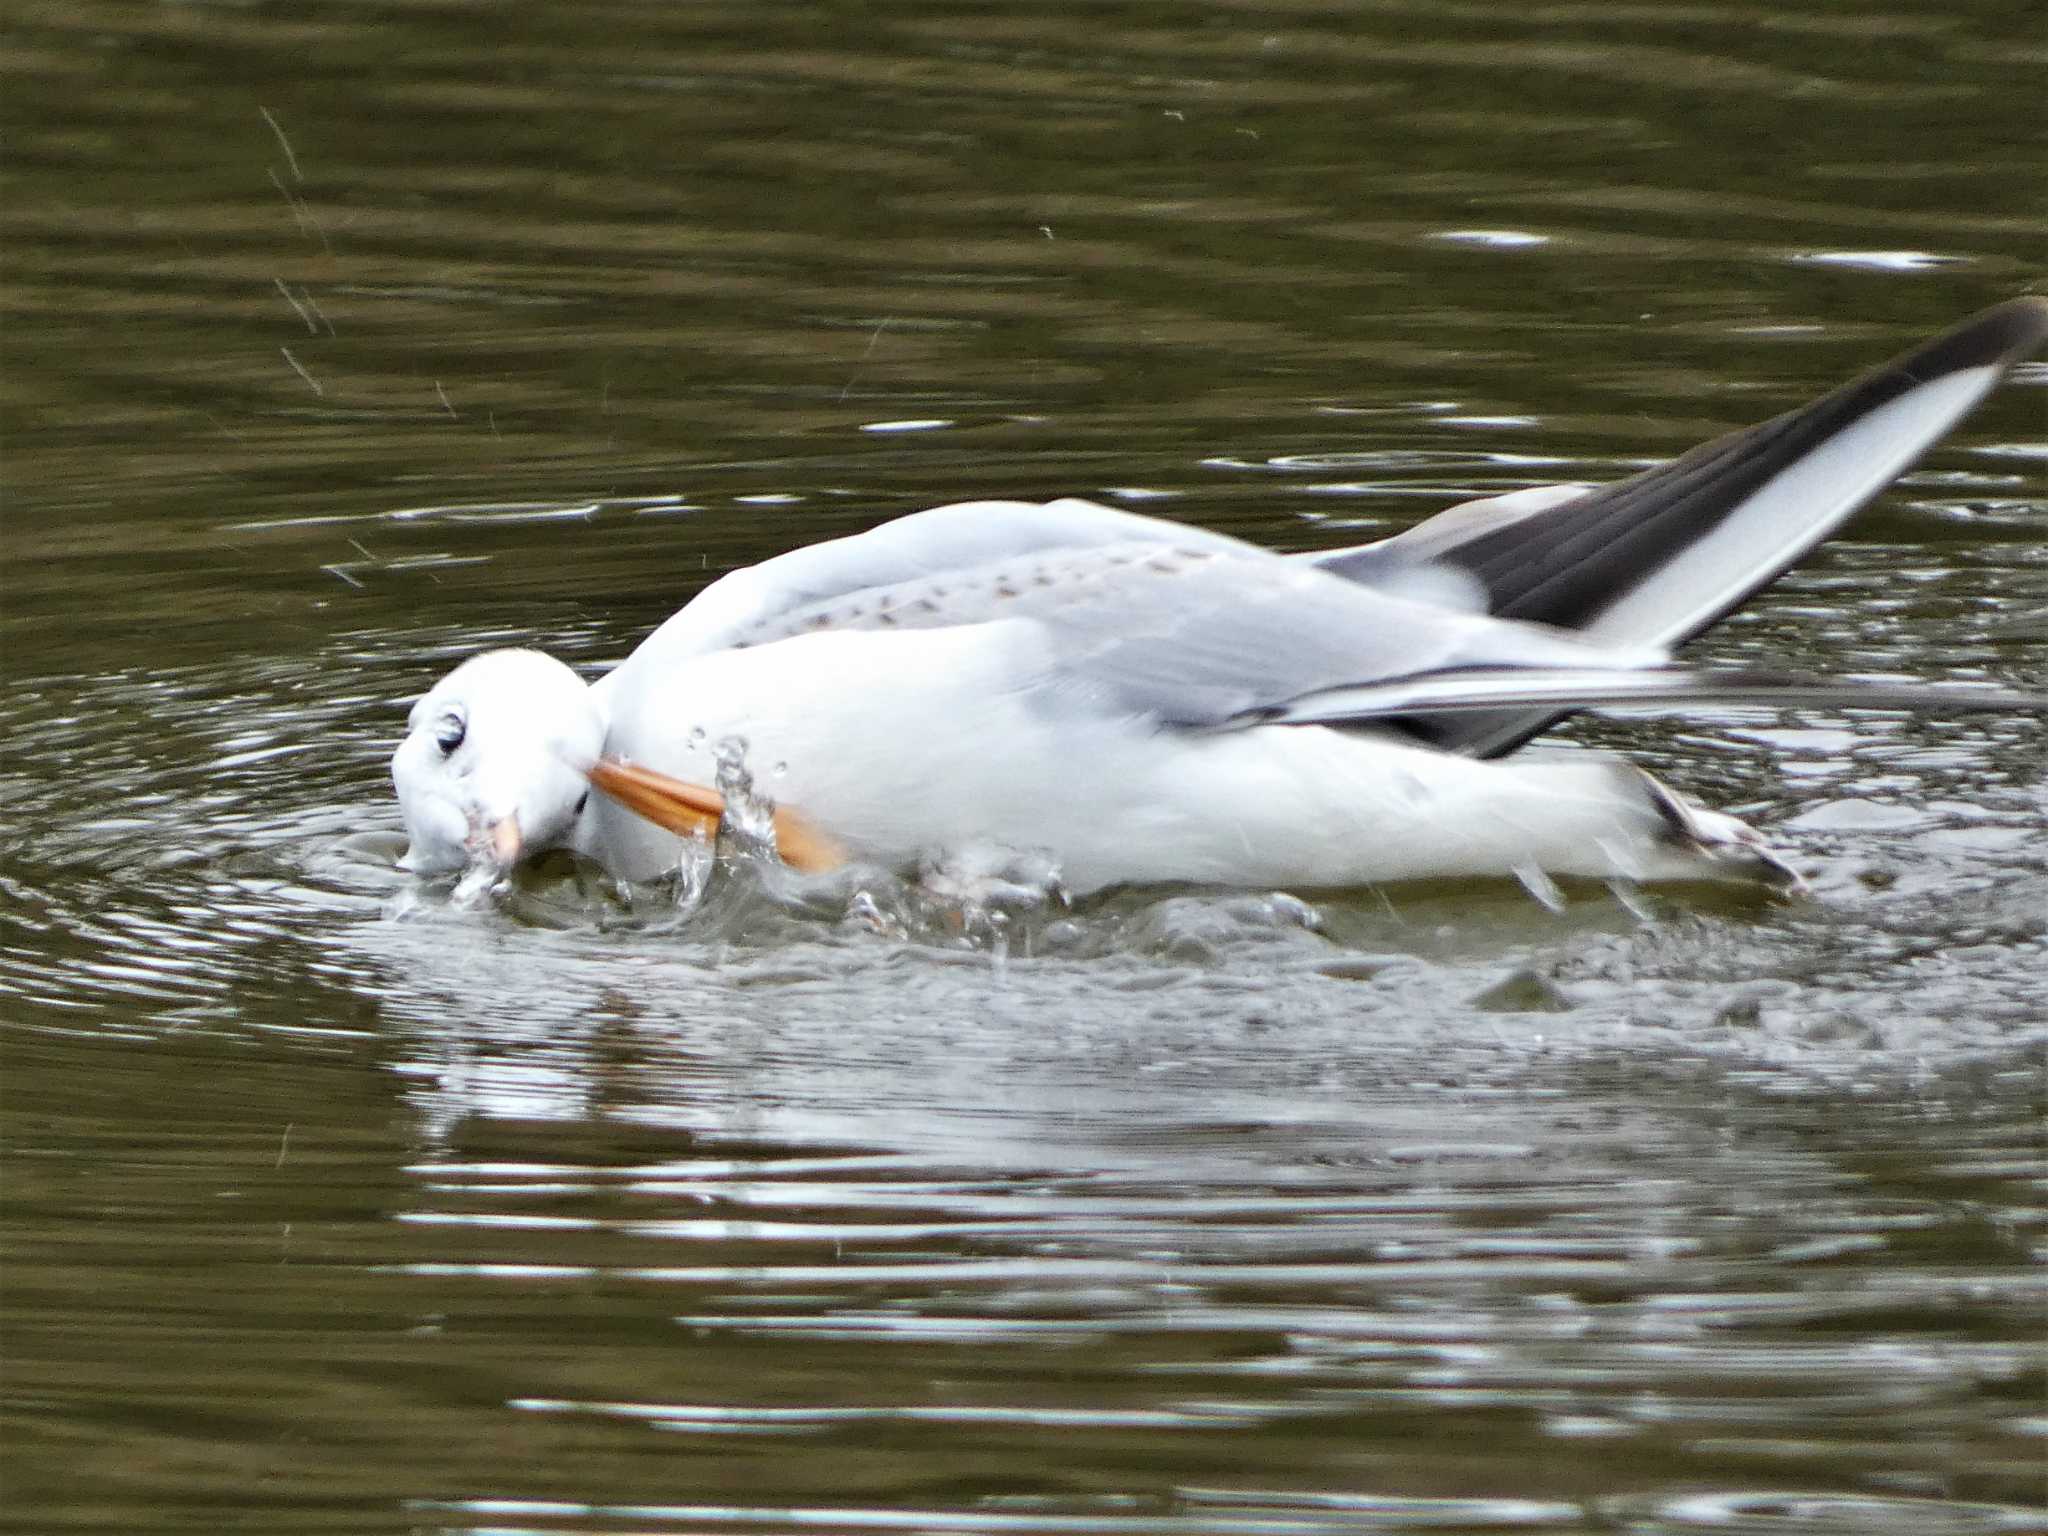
[492, 765]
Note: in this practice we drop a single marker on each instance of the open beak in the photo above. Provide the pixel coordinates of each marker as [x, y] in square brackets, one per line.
[691, 810]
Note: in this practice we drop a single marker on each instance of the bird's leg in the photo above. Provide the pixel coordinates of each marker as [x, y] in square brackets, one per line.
[695, 811]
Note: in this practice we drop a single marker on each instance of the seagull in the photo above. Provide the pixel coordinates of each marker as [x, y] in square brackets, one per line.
[1135, 701]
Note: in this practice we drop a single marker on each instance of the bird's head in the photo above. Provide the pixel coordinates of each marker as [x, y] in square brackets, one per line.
[494, 760]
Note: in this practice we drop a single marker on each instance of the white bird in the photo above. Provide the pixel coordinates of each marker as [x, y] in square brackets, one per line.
[1137, 701]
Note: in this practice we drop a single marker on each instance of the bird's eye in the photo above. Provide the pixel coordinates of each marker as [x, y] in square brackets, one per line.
[448, 735]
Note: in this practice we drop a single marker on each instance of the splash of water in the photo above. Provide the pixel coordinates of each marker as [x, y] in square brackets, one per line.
[983, 893]
[749, 819]
[480, 881]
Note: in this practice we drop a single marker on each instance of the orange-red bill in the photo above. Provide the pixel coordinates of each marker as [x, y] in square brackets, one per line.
[692, 810]
[689, 810]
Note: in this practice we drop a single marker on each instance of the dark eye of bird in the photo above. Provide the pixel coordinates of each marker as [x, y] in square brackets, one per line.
[582, 801]
[449, 736]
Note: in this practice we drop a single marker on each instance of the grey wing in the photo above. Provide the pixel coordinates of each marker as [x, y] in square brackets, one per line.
[1190, 635]
[1195, 639]
[1199, 638]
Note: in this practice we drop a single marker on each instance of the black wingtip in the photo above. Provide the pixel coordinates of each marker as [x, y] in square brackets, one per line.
[1567, 566]
[1564, 568]
[1996, 337]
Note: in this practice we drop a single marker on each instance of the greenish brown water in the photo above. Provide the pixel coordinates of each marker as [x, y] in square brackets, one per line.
[339, 342]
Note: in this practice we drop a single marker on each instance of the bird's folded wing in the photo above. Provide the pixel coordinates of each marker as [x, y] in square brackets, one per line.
[1140, 617]
[1189, 635]
[1194, 638]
